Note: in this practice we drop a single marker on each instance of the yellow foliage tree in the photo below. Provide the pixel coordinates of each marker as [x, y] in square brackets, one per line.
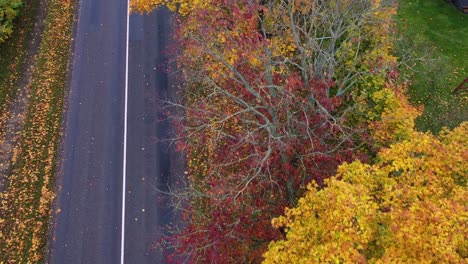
[182, 6]
[410, 207]
[391, 118]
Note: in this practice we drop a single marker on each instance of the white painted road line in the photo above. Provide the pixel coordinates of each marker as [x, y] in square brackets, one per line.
[124, 166]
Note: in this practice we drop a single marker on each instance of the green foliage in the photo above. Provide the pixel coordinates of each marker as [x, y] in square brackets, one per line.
[410, 207]
[9, 9]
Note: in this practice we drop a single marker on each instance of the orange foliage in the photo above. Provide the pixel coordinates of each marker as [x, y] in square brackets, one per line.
[410, 207]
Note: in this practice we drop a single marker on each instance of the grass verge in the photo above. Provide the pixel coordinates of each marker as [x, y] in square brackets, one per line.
[25, 208]
[12, 53]
[436, 30]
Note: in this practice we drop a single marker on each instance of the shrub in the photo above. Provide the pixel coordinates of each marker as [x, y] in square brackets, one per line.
[9, 10]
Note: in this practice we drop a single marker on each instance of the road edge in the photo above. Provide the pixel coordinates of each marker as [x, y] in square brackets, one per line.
[55, 207]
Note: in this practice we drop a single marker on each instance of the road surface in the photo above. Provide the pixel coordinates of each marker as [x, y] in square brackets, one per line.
[87, 228]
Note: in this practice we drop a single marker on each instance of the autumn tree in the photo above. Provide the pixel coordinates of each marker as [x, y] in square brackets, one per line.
[409, 207]
[183, 7]
[277, 94]
[8, 11]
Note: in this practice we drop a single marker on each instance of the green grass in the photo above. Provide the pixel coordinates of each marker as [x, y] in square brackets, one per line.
[438, 31]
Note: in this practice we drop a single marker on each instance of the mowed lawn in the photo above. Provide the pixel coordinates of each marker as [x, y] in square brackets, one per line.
[437, 31]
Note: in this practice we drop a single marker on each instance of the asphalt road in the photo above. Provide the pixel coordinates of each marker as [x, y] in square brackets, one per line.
[87, 228]
[152, 164]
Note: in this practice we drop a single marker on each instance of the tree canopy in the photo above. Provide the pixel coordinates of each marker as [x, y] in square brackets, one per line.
[278, 94]
[410, 207]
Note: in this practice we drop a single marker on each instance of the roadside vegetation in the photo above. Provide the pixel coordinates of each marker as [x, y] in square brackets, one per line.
[301, 142]
[435, 31]
[280, 96]
[25, 204]
[12, 54]
[9, 10]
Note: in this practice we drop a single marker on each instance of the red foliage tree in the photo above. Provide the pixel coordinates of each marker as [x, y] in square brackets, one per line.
[265, 114]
